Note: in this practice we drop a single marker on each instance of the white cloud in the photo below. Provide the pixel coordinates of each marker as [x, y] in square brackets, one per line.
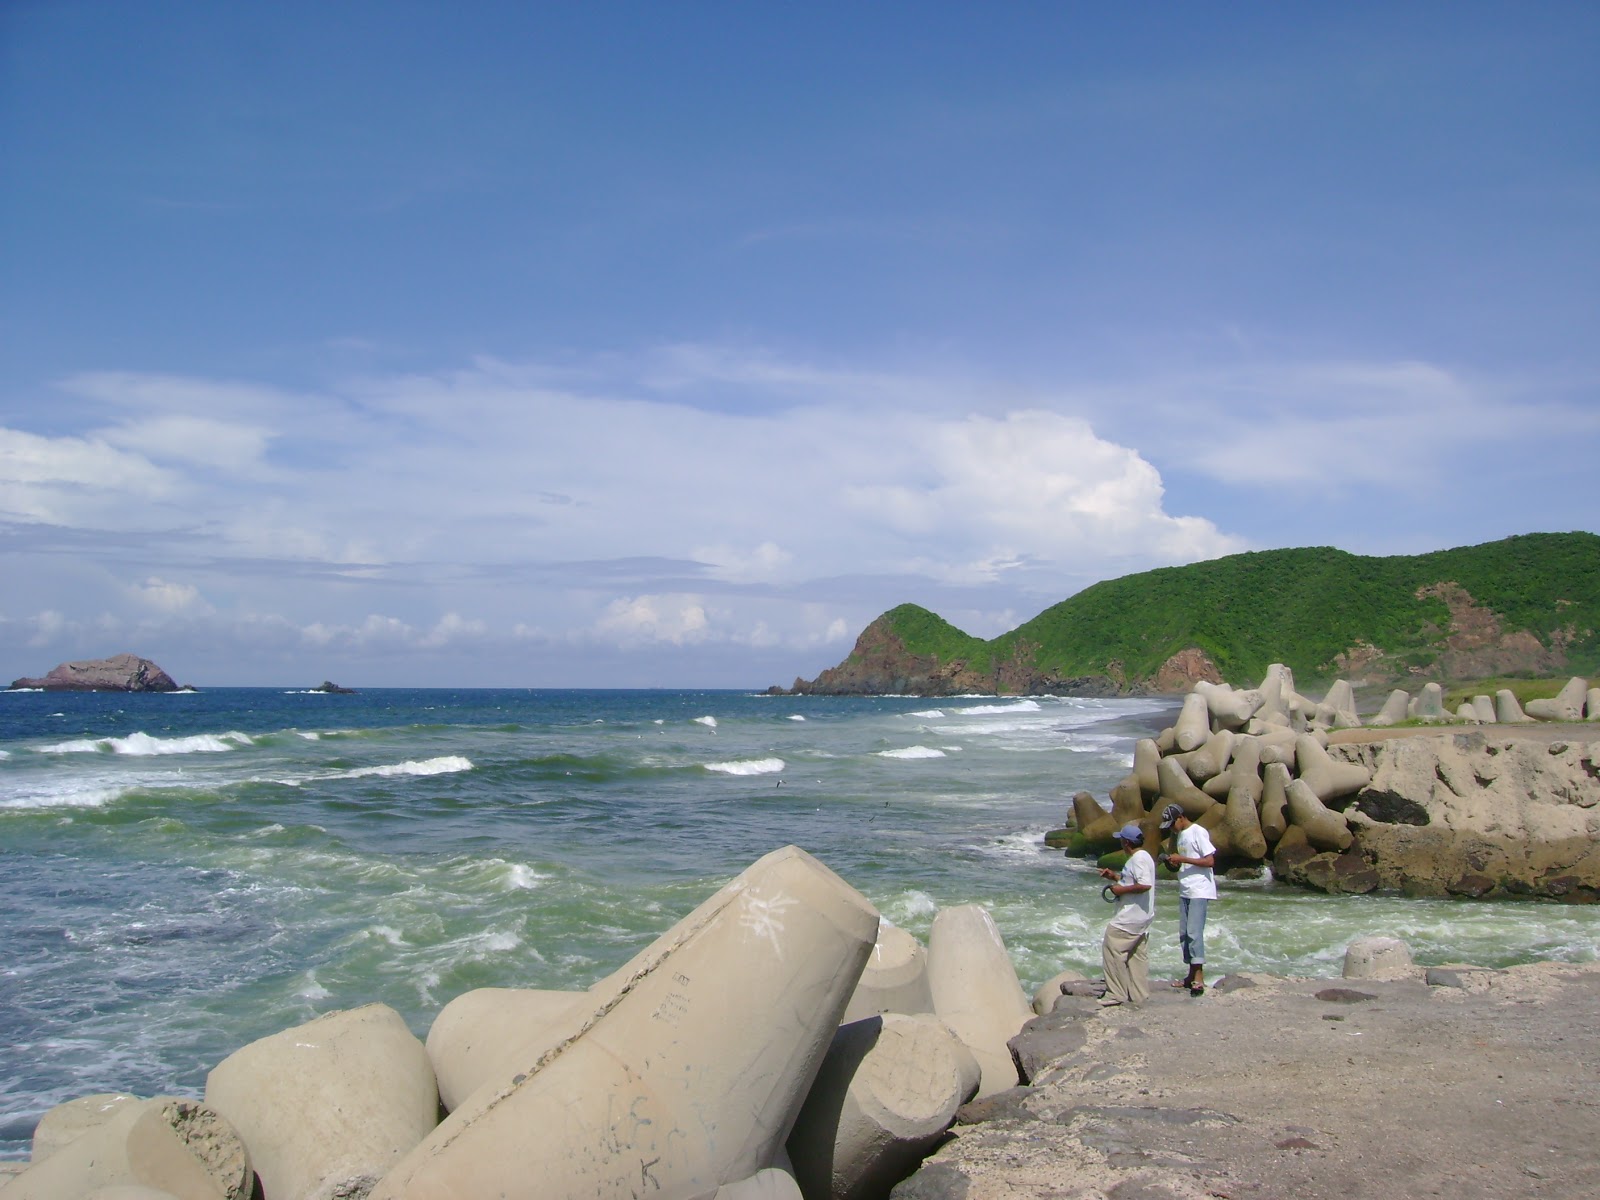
[1404, 427]
[700, 497]
[765, 563]
[675, 619]
[74, 480]
[169, 597]
[217, 445]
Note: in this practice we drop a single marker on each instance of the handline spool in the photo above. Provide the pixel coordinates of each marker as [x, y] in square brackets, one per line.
[1107, 894]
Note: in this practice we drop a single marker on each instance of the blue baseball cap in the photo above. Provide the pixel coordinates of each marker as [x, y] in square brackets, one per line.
[1131, 833]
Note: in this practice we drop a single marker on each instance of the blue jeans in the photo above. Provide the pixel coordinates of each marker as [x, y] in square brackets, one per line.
[1192, 929]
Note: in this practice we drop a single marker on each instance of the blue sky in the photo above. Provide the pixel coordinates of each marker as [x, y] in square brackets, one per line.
[669, 344]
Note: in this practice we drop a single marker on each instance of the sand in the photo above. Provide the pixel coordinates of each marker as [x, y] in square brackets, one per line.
[1259, 1088]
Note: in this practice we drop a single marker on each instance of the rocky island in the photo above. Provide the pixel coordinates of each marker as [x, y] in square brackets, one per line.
[119, 673]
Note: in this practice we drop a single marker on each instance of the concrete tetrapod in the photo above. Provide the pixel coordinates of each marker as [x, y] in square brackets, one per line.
[887, 1091]
[1591, 706]
[1229, 709]
[1146, 754]
[1242, 817]
[329, 1106]
[1484, 708]
[895, 978]
[1275, 779]
[1048, 994]
[1428, 704]
[1093, 822]
[166, 1144]
[1506, 709]
[71, 1119]
[976, 990]
[1193, 725]
[1127, 801]
[684, 1069]
[1567, 705]
[772, 1183]
[1178, 788]
[1324, 828]
[1338, 707]
[1395, 709]
[480, 1036]
[1209, 760]
[1327, 778]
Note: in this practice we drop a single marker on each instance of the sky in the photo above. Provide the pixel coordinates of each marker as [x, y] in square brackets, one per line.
[667, 345]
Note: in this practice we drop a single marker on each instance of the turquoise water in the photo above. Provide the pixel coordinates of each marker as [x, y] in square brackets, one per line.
[181, 874]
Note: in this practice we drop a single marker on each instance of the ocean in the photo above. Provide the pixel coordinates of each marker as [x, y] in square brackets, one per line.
[181, 874]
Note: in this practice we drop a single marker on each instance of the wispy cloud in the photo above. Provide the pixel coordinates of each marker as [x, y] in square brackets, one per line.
[607, 504]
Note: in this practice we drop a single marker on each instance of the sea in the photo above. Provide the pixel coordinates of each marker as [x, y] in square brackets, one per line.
[181, 874]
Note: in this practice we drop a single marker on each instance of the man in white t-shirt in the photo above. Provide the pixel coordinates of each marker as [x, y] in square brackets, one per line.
[1124, 951]
[1197, 887]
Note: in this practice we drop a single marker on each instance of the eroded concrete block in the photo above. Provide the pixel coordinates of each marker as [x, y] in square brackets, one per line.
[895, 978]
[328, 1107]
[479, 1036]
[166, 1145]
[686, 1067]
[1378, 958]
[976, 990]
[888, 1089]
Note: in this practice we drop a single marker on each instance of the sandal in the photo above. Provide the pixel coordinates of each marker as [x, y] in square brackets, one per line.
[1198, 989]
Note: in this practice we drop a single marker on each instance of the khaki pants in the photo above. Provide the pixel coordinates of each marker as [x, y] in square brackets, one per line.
[1127, 962]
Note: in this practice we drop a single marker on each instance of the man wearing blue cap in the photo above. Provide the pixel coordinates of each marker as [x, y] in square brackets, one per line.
[1124, 950]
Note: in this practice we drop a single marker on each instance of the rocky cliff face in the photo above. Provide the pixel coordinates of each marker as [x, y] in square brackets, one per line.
[119, 673]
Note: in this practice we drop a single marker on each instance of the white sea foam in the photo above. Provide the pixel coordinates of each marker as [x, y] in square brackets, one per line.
[447, 765]
[142, 745]
[5, 754]
[523, 878]
[981, 710]
[311, 989]
[708, 722]
[928, 714]
[796, 717]
[912, 752]
[748, 766]
[60, 795]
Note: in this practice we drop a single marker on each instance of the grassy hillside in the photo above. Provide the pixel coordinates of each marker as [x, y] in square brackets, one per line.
[926, 633]
[1302, 607]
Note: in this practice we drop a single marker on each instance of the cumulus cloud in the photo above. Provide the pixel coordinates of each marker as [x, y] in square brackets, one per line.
[636, 619]
[166, 596]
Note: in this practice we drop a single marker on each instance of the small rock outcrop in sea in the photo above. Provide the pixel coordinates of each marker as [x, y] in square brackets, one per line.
[714, 1064]
[330, 688]
[119, 673]
[1487, 809]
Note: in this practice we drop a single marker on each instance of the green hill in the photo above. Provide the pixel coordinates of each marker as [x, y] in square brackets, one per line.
[1524, 605]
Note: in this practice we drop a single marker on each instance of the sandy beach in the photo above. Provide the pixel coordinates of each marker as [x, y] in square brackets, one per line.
[1482, 1084]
